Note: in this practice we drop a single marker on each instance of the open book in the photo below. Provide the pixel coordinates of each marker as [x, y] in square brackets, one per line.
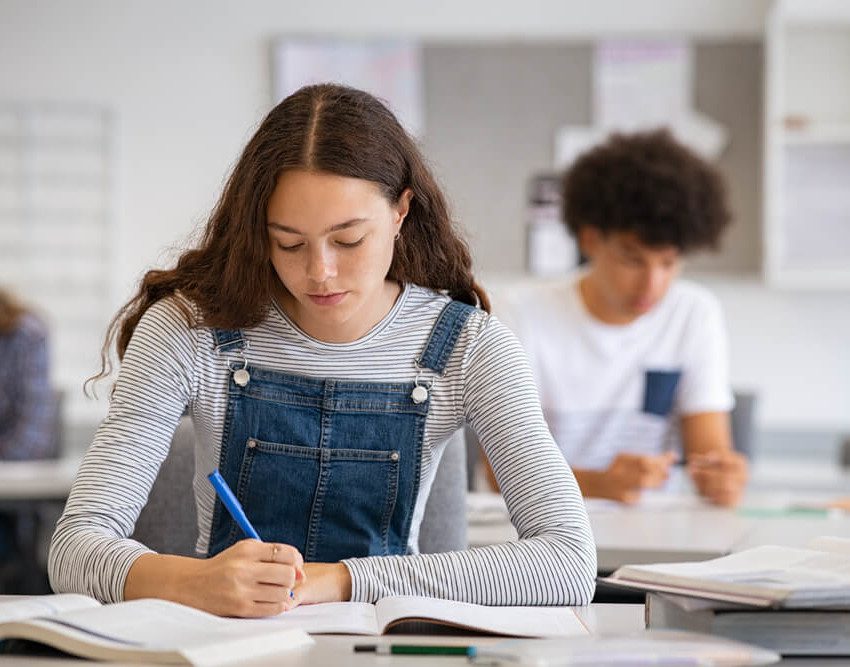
[766, 576]
[411, 614]
[141, 630]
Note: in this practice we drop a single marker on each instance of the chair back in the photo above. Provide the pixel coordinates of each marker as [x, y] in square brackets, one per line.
[168, 522]
[742, 420]
[444, 522]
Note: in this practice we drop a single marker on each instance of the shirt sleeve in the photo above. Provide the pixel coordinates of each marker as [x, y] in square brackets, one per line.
[554, 560]
[31, 432]
[90, 552]
[705, 378]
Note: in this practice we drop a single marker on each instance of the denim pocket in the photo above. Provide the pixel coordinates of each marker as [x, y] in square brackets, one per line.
[329, 503]
[660, 391]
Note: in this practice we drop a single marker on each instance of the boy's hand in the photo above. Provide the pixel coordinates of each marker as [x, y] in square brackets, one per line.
[720, 477]
[629, 474]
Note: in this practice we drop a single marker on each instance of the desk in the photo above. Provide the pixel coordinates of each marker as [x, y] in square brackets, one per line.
[676, 525]
[338, 650]
[34, 492]
[37, 480]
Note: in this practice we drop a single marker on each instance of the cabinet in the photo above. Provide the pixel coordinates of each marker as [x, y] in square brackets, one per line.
[807, 144]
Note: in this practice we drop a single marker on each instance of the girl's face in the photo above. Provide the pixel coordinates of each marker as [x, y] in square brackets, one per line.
[331, 241]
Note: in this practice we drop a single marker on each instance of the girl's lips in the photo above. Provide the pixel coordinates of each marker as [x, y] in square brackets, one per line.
[327, 299]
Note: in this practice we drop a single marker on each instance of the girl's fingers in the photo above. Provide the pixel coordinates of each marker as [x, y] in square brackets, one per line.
[275, 574]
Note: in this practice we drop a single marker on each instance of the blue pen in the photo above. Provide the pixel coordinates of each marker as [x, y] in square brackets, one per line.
[232, 504]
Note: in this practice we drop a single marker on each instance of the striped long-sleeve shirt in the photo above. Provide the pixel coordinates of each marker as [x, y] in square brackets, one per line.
[169, 366]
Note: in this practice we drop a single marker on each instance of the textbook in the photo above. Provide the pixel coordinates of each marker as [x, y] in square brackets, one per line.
[140, 631]
[790, 632]
[413, 614]
[764, 576]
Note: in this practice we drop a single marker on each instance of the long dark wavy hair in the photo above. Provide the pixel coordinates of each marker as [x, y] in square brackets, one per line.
[329, 128]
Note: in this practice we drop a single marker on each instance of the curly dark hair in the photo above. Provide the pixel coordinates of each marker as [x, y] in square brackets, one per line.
[649, 184]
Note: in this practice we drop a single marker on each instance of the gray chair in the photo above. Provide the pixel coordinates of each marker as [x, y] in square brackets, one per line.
[168, 522]
[742, 419]
[444, 522]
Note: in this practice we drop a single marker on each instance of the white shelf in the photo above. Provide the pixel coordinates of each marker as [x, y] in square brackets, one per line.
[810, 279]
[806, 230]
[815, 134]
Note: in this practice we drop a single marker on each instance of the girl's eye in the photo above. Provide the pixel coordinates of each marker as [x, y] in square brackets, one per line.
[351, 244]
[289, 248]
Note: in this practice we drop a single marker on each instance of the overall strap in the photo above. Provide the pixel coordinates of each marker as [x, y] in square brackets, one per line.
[444, 335]
[228, 340]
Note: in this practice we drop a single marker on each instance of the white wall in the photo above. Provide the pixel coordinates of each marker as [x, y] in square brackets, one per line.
[793, 348]
[189, 80]
[189, 83]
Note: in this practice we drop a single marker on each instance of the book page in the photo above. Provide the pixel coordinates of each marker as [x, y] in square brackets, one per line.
[510, 621]
[781, 572]
[348, 618]
[43, 605]
[151, 624]
[155, 631]
[831, 544]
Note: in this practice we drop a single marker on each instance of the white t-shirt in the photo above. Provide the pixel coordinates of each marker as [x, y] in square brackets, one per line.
[607, 389]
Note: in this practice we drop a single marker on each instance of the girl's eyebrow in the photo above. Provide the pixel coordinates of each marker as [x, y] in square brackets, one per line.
[335, 228]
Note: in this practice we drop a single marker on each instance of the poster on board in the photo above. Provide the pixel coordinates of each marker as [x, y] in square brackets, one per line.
[389, 69]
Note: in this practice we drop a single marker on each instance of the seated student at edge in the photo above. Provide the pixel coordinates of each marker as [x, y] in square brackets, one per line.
[331, 272]
[626, 355]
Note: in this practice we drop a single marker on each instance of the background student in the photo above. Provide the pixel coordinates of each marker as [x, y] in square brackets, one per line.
[323, 338]
[626, 355]
[27, 423]
[27, 403]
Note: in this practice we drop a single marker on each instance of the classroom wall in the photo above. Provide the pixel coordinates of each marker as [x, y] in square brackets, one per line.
[488, 101]
[189, 85]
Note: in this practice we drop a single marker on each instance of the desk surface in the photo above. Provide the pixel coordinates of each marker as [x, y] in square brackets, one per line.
[676, 525]
[37, 480]
[338, 650]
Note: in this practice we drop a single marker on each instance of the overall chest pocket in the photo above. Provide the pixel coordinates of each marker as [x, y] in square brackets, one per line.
[330, 503]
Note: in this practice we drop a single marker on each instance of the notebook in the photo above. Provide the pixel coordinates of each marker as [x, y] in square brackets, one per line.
[766, 576]
[153, 631]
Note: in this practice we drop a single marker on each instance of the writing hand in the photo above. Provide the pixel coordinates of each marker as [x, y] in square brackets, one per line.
[720, 476]
[249, 579]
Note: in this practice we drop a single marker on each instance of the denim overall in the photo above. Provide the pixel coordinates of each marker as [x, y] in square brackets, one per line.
[329, 466]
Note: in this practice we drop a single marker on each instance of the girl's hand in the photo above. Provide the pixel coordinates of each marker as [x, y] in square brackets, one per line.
[324, 582]
[249, 579]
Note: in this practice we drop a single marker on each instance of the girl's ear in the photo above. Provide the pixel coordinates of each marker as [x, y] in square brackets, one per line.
[402, 206]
